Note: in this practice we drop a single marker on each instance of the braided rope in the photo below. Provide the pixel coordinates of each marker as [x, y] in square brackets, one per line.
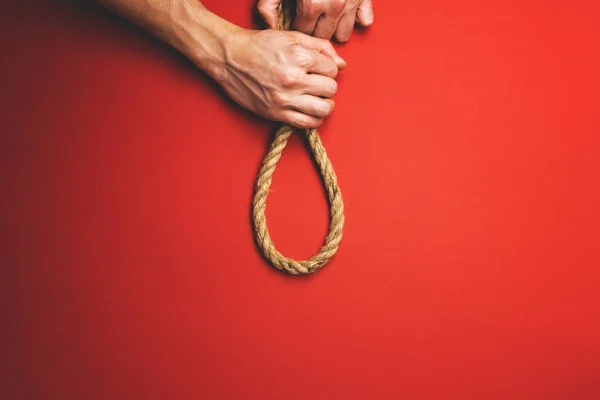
[265, 176]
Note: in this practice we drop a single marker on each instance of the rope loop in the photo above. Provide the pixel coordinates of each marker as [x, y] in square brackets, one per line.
[263, 183]
[334, 196]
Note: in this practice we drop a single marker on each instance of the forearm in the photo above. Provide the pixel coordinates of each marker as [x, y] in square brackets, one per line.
[283, 76]
[184, 24]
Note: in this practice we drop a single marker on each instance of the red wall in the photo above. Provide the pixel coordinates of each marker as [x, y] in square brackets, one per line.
[466, 142]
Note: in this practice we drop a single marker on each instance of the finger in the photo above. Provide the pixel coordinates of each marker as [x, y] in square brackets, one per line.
[328, 22]
[318, 85]
[268, 10]
[324, 66]
[313, 105]
[307, 15]
[322, 46]
[345, 27]
[299, 120]
[364, 16]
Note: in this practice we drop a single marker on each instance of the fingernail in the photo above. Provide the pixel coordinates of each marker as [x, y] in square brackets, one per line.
[340, 60]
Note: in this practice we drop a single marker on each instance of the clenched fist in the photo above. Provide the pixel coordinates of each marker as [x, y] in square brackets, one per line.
[323, 18]
[283, 76]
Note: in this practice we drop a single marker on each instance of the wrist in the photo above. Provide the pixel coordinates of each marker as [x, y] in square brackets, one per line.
[202, 37]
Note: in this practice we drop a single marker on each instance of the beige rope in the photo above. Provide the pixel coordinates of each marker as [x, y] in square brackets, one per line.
[265, 176]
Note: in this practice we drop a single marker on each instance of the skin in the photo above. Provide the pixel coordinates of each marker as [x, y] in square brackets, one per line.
[323, 18]
[282, 76]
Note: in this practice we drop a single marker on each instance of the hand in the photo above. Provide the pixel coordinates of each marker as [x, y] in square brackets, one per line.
[323, 18]
[283, 76]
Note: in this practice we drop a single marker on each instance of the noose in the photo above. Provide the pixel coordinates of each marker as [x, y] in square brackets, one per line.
[265, 176]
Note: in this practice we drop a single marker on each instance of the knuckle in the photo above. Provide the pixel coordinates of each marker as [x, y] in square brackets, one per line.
[290, 79]
[304, 57]
[337, 5]
[279, 99]
[323, 44]
[310, 7]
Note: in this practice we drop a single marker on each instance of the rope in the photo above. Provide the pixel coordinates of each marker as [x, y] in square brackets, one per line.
[265, 176]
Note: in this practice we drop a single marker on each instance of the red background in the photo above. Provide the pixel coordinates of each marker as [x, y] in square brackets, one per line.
[465, 138]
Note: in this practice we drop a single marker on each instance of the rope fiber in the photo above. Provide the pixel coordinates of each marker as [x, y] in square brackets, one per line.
[263, 183]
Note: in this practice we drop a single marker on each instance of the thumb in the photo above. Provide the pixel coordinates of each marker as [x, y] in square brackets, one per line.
[364, 15]
[322, 46]
[268, 10]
